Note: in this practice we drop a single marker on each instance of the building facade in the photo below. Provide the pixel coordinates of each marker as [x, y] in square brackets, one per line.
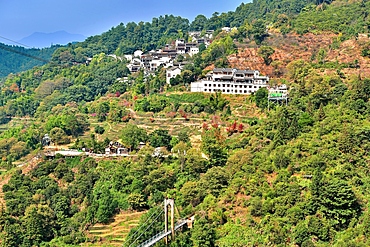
[231, 81]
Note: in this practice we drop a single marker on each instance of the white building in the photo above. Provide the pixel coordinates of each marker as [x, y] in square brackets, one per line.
[193, 51]
[172, 73]
[138, 53]
[226, 29]
[164, 61]
[230, 81]
[128, 58]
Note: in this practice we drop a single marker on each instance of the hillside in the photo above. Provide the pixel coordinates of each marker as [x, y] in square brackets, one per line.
[294, 174]
[344, 56]
[14, 59]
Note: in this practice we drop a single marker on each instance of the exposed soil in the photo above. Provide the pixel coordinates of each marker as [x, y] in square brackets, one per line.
[292, 47]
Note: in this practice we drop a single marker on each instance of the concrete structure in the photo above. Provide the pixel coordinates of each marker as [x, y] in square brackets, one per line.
[277, 95]
[193, 51]
[231, 81]
[138, 53]
[172, 73]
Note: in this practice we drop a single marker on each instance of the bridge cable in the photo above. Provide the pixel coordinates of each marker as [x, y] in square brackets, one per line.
[15, 42]
[151, 216]
[147, 228]
[137, 231]
[10, 49]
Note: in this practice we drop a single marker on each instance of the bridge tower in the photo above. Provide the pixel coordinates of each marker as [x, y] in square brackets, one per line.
[169, 203]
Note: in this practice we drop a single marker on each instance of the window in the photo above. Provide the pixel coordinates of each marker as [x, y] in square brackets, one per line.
[223, 85]
[245, 91]
[205, 90]
[223, 90]
[228, 90]
[205, 85]
[218, 85]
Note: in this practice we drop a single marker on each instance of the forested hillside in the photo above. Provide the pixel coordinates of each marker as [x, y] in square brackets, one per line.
[14, 59]
[253, 175]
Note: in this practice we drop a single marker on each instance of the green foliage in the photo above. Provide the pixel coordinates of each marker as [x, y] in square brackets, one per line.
[259, 32]
[14, 59]
[99, 129]
[220, 48]
[297, 175]
[347, 18]
[213, 146]
[131, 136]
[261, 98]
[203, 233]
[265, 52]
[153, 103]
[160, 138]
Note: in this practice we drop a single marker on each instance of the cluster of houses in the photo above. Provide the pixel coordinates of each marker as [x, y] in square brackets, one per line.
[166, 57]
[224, 80]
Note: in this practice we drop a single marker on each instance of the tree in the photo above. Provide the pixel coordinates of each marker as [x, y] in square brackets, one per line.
[136, 201]
[160, 138]
[213, 146]
[106, 205]
[214, 181]
[38, 224]
[259, 31]
[3, 117]
[261, 98]
[203, 234]
[199, 23]
[131, 136]
[265, 52]
[58, 136]
[183, 136]
[102, 111]
[339, 203]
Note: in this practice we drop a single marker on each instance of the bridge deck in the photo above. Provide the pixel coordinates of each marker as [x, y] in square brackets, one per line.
[161, 235]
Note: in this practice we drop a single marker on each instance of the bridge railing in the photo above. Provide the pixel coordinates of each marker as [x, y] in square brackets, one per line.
[161, 235]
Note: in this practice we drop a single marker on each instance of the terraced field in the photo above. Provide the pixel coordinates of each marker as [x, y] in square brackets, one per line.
[114, 234]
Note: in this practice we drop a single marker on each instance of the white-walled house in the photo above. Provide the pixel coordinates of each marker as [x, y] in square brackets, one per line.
[193, 51]
[172, 73]
[128, 58]
[138, 53]
[231, 81]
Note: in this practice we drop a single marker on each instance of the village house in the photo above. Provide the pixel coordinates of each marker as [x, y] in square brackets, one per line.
[138, 53]
[172, 73]
[193, 51]
[231, 81]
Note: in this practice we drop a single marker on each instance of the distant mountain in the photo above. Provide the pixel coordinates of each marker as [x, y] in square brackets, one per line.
[41, 40]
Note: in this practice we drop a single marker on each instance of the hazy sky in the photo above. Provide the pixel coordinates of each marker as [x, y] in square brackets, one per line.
[21, 18]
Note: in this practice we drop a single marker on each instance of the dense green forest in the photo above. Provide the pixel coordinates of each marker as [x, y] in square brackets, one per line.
[14, 59]
[291, 175]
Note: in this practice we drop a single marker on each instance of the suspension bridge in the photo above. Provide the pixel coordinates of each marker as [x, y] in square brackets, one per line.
[169, 229]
